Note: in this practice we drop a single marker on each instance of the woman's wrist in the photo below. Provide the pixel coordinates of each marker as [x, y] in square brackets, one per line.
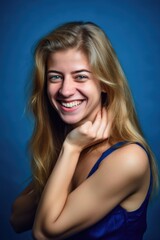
[71, 147]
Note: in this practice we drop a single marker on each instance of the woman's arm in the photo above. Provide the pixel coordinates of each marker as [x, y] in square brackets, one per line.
[113, 182]
[57, 188]
[60, 213]
[23, 210]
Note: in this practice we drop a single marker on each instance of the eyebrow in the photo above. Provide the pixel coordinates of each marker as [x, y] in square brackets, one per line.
[77, 71]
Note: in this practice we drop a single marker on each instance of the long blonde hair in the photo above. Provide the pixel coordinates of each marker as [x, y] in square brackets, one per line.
[49, 130]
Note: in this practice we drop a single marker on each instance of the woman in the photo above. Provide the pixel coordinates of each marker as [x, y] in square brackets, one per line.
[93, 171]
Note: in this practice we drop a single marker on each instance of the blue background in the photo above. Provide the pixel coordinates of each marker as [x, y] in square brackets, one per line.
[133, 27]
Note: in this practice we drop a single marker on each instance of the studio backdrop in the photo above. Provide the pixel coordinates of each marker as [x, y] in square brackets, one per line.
[133, 29]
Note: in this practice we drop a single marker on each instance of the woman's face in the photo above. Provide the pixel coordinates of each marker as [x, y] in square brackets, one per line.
[72, 89]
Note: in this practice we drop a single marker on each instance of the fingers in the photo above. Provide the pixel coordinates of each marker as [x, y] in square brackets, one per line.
[97, 122]
[101, 125]
[102, 131]
[91, 132]
[84, 128]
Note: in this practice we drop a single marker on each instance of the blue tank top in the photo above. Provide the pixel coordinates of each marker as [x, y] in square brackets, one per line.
[119, 224]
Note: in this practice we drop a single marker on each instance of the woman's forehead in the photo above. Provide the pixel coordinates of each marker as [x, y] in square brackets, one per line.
[68, 59]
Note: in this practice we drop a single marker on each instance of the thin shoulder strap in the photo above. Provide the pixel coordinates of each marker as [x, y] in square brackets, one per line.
[151, 176]
[104, 155]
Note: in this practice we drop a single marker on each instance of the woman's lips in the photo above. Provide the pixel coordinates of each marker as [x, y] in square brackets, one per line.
[70, 105]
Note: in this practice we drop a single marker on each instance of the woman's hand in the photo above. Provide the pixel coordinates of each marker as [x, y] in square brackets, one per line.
[90, 133]
[23, 210]
[57, 189]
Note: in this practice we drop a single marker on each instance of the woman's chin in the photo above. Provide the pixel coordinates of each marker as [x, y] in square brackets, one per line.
[72, 122]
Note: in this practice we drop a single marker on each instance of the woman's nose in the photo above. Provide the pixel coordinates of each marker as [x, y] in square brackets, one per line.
[67, 88]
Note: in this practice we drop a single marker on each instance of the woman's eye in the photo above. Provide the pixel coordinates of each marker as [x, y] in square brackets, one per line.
[81, 77]
[55, 77]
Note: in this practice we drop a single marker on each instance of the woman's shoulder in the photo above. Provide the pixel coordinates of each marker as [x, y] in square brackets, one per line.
[123, 173]
[129, 158]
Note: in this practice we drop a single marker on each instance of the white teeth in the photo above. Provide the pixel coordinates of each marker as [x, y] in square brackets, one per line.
[71, 104]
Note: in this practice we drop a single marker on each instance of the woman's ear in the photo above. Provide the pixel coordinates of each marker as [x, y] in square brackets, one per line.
[104, 98]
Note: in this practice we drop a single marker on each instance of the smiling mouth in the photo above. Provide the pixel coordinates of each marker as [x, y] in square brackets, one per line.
[70, 104]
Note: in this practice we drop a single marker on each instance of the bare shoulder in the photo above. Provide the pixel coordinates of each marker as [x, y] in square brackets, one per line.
[134, 156]
[130, 158]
